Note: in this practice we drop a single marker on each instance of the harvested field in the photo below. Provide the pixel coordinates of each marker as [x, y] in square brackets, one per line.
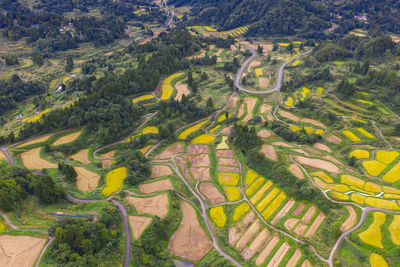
[108, 155]
[293, 168]
[299, 209]
[199, 160]
[250, 103]
[223, 144]
[279, 255]
[257, 196]
[197, 149]
[251, 231]
[106, 163]
[20, 251]
[227, 162]
[290, 223]
[32, 160]
[249, 252]
[241, 111]
[350, 221]
[333, 139]
[264, 133]
[233, 103]
[182, 89]
[160, 170]
[282, 144]
[330, 158]
[156, 205]
[138, 224]
[201, 174]
[35, 141]
[156, 186]
[300, 228]
[288, 115]
[267, 250]
[252, 64]
[265, 108]
[309, 214]
[269, 152]
[263, 83]
[283, 211]
[314, 122]
[318, 164]
[211, 192]
[224, 153]
[295, 258]
[189, 241]
[86, 180]
[170, 151]
[315, 225]
[313, 151]
[297, 150]
[228, 169]
[81, 156]
[67, 139]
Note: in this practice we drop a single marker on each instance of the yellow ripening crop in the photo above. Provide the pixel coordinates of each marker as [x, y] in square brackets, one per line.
[203, 139]
[227, 178]
[304, 93]
[359, 154]
[233, 193]
[215, 128]
[391, 196]
[257, 196]
[145, 149]
[274, 205]
[351, 180]
[289, 101]
[374, 167]
[358, 120]
[393, 175]
[114, 180]
[366, 102]
[373, 234]
[223, 117]
[294, 128]
[388, 189]
[259, 72]
[386, 157]
[394, 229]
[366, 133]
[338, 196]
[296, 62]
[309, 130]
[359, 199]
[381, 203]
[250, 191]
[191, 129]
[284, 44]
[335, 187]
[167, 88]
[250, 177]
[319, 91]
[319, 132]
[349, 134]
[240, 210]
[267, 199]
[218, 216]
[323, 176]
[372, 187]
[141, 98]
[376, 260]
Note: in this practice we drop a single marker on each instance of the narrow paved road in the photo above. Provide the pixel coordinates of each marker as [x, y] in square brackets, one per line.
[43, 250]
[10, 159]
[127, 233]
[280, 74]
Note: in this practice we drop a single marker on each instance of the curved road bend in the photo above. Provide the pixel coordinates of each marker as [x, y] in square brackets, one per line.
[280, 74]
[10, 159]
[43, 250]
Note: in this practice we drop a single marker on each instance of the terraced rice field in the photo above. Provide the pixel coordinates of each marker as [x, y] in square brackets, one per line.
[191, 129]
[167, 87]
[142, 98]
[114, 180]
[373, 234]
[203, 139]
[218, 216]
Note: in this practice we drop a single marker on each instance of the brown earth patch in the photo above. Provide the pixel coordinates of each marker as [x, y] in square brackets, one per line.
[233, 104]
[288, 115]
[306, 263]
[190, 241]
[241, 111]
[350, 221]
[318, 164]
[156, 205]
[211, 192]
[201, 174]
[252, 64]
[199, 160]
[249, 252]
[138, 224]
[314, 151]
[269, 117]
[315, 225]
[314, 122]
[226, 130]
[170, 151]
[233, 235]
[290, 223]
[20, 251]
[293, 168]
[265, 108]
[67, 139]
[197, 149]
[35, 141]
[81, 156]
[300, 152]
[32, 160]
[264, 133]
[86, 180]
[267, 250]
[333, 139]
[160, 170]
[250, 102]
[295, 258]
[299, 209]
[322, 147]
[106, 163]
[182, 89]
[227, 162]
[330, 158]
[282, 144]
[108, 155]
[279, 255]
[202, 54]
[251, 231]
[309, 214]
[224, 153]
[263, 83]
[283, 211]
[182, 165]
[228, 169]
[156, 186]
[269, 152]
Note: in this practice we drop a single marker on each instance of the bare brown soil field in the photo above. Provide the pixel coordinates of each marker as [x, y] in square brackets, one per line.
[227, 162]
[265, 108]
[81, 156]
[86, 180]
[269, 152]
[211, 192]
[35, 141]
[251, 102]
[67, 139]
[288, 115]
[309, 214]
[269, 117]
[263, 83]
[313, 151]
[318, 164]
[108, 155]
[350, 221]
[138, 224]
[282, 144]
[295, 258]
[279, 255]
[314, 122]
[249, 252]
[330, 158]
[190, 241]
[156, 186]
[333, 139]
[300, 152]
[299, 209]
[170, 151]
[20, 251]
[199, 160]
[32, 160]
[241, 111]
[197, 149]
[322, 147]
[106, 163]
[160, 170]
[290, 223]
[251, 231]
[224, 153]
[267, 250]
[235, 232]
[228, 169]
[293, 168]
[306, 263]
[201, 174]
[283, 211]
[315, 225]
[233, 103]
[226, 130]
[182, 89]
[252, 64]
[264, 133]
[156, 205]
